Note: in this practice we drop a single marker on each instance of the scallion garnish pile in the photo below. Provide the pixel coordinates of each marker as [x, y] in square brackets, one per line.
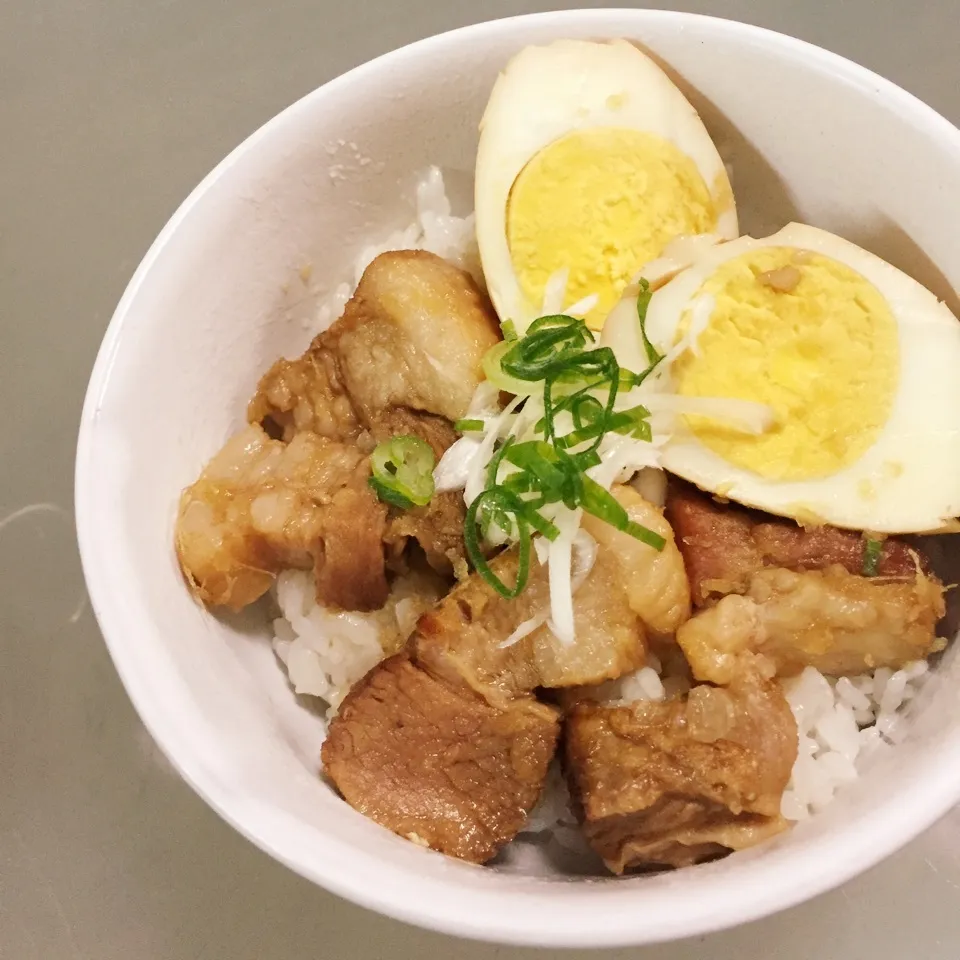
[557, 359]
[536, 455]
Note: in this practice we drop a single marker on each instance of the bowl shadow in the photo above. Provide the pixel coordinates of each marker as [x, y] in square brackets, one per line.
[889, 241]
[770, 204]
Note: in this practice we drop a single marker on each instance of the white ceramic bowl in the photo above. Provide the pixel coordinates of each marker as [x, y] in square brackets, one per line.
[220, 295]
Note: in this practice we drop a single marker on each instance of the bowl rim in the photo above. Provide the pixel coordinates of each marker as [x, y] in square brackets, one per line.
[544, 917]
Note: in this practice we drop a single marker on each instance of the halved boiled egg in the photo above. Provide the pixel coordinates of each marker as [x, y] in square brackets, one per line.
[590, 161]
[857, 362]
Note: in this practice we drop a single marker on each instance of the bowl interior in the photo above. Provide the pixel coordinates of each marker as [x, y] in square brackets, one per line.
[236, 279]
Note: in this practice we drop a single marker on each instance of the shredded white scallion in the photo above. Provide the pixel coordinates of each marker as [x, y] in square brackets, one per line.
[559, 573]
[453, 470]
[621, 457]
[554, 290]
[477, 472]
[745, 415]
[485, 401]
[524, 629]
[582, 307]
[541, 547]
[700, 314]
[677, 254]
[584, 557]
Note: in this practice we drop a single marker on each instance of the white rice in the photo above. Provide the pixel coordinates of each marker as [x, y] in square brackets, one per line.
[553, 811]
[435, 229]
[839, 722]
[326, 653]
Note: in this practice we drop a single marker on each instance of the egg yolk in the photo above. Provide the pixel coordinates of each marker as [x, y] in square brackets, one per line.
[601, 202]
[811, 338]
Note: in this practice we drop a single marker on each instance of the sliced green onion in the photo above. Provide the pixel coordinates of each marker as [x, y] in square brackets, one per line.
[645, 535]
[509, 329]
[548, 344]
[500, 501]
[493, 371]
[402, 471]
[586, 410]
[872, 551]
[493, 467]
[643, 302]
[539, 522]
[387, 494]
[604, 506]
[631, 423]
[469, 426]
[521, 482]
[602, 361]
[557, 355]
[540, 460]
[587, 459]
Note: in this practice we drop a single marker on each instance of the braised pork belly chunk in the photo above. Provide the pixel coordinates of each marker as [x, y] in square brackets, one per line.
[838, 623]
[677, 782]
[412, 337]
[438, 764]
[463, 638]
[798, 597]
[261, 506]
[306, 394]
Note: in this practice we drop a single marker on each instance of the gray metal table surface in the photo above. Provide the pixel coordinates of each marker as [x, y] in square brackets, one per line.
[110, 112]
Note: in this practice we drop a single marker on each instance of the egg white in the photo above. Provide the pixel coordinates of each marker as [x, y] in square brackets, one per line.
[548, 91]
[921, 436]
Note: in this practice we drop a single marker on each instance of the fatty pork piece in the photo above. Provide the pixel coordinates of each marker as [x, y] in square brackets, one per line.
[413, 336]
[678, 782]
[795, 595]
[657, 587]
[261, 506]
[438, 764]
[723, 545]
[631, 590]
[829, 619]
[461, 639]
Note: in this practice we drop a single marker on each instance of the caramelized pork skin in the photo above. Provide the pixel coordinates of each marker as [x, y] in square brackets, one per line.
[724, 545]
[829, 619]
